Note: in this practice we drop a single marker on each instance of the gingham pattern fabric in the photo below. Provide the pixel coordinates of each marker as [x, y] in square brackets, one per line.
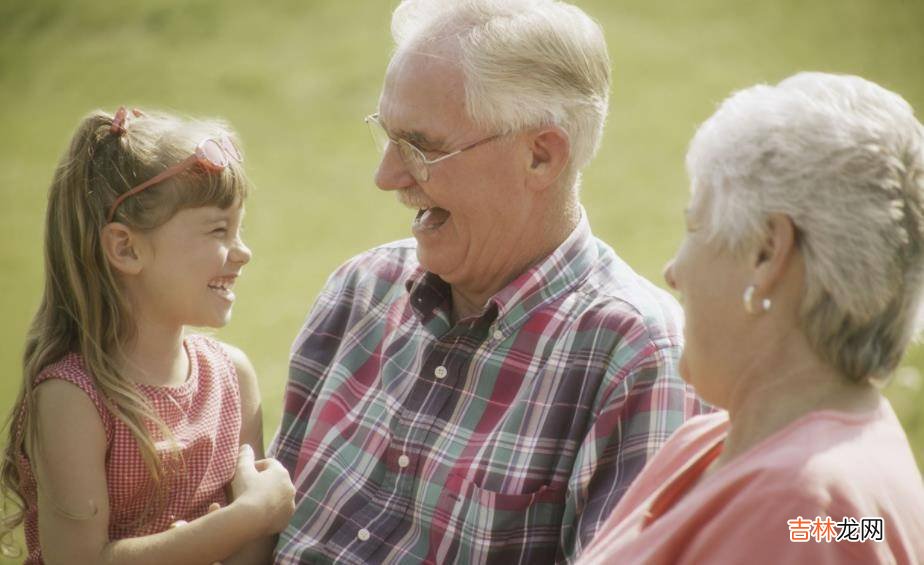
[204, 414]
[506, 438]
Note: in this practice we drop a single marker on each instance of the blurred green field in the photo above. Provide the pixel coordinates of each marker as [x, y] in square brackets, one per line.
[296, 77]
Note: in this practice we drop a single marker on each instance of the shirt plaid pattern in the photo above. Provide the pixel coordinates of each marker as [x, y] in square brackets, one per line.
[508, 437]
[204, 414]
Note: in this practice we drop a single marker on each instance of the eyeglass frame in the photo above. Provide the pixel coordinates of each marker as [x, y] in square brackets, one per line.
[406, 145]
[225, 145]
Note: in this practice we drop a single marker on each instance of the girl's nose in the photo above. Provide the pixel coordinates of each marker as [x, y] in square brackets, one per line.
[240, 253]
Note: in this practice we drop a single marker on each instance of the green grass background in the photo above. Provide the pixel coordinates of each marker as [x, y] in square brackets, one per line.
[296, 77]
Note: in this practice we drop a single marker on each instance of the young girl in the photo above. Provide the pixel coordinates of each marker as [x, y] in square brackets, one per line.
[123, 426]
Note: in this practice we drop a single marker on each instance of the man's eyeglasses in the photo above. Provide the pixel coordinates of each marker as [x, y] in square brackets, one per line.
[415, 160]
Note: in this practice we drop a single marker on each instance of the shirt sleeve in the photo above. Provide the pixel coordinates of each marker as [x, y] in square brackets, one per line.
[646, 403]
[312, 352]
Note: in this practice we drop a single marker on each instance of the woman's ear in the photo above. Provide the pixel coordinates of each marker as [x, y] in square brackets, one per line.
[120, 245]
[773, 257]
[549, 152]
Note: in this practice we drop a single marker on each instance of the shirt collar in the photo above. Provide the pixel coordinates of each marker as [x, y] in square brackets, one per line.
[542, 283]
[559, 272]
[427, 293]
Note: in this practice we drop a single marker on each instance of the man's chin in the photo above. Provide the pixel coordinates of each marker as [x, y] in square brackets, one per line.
[435, 259]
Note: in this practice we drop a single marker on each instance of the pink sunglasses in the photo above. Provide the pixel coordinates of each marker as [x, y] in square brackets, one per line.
[213, 154]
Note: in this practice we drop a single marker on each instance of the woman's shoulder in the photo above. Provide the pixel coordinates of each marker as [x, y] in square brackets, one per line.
[854, 462]
[821, 442]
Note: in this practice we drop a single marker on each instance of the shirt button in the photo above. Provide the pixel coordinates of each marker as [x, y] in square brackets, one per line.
[404, 461]
[498, 335]
[362, 535]
[440, 372]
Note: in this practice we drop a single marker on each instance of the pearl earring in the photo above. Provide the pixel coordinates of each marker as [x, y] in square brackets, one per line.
[749, 301]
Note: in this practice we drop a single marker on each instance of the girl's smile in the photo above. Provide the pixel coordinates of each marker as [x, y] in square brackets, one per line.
[223, 285]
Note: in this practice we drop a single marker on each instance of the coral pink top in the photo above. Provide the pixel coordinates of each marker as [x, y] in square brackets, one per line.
[204, 414]
[823, 465]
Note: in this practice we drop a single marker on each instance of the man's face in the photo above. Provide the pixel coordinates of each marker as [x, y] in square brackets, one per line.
[472, 214]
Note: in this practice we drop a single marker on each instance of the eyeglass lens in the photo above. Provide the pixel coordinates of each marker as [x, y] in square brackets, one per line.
[410, 156]
[213, 152]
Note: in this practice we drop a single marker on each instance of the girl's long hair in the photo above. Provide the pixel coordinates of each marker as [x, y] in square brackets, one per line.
[83, 308]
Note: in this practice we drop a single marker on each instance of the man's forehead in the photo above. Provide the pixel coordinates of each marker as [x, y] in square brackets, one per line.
[421, 88]
[436, 74]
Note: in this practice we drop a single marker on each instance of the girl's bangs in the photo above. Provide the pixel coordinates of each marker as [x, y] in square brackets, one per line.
[205, 188]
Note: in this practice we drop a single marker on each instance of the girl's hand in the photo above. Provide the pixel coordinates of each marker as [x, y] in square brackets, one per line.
[265, 487]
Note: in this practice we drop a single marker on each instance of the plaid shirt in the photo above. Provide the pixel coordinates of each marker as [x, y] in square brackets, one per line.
[507, 437]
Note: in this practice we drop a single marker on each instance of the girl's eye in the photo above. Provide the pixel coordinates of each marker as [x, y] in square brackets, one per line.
[220, 231]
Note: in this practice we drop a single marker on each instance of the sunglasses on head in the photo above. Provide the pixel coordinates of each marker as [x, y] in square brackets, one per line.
[212, 154]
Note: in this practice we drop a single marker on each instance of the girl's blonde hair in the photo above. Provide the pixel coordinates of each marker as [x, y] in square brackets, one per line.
[83, 310]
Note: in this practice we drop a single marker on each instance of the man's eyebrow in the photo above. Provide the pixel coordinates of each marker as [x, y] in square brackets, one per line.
[415, 137]
[419, 138]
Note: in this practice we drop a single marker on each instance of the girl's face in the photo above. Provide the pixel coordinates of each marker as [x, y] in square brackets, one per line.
[190, 266]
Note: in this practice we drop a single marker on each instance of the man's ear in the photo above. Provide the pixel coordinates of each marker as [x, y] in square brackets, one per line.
[550, 150]
[774, 255]
[120, 245]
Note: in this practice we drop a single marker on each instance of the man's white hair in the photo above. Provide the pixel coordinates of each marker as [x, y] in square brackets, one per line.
[844, 158]
[526, 63]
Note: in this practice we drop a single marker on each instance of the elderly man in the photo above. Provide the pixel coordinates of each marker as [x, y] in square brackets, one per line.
[487, 390]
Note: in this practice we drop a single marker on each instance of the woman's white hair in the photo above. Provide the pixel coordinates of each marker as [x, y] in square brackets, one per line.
[844, 159]
[526, 63]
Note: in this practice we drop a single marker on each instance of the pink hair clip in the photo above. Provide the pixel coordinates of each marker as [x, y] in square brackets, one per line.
[118, 121]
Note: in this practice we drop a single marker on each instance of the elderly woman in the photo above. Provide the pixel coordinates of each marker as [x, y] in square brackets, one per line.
[800, 275]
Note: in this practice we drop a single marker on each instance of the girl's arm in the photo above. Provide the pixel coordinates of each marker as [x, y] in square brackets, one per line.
[73, 504]
[260, 550]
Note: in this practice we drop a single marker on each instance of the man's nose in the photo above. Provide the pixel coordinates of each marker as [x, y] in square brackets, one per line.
[392, 173]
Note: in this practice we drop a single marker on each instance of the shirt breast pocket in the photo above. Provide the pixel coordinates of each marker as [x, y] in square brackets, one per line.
[495, 519]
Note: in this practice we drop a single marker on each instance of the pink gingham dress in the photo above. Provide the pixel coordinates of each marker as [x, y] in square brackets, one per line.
[204, 414]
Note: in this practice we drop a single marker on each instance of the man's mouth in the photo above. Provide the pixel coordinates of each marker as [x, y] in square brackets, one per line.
[429, 219]
[222, 286]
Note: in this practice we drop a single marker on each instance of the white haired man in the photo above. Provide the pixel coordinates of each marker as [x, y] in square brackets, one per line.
[487, 390]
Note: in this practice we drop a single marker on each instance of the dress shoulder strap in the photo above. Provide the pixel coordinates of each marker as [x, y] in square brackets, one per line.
[71, 368]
